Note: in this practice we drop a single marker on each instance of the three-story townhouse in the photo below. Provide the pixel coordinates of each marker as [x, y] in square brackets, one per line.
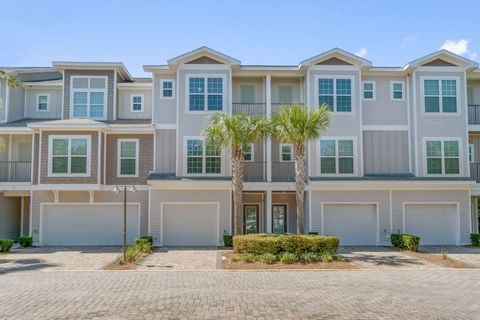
[398, 155]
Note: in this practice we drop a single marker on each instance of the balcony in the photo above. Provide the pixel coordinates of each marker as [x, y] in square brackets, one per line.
[473, 114]
[251, 109]
[283, 171]
[15, 171]
[254, 171]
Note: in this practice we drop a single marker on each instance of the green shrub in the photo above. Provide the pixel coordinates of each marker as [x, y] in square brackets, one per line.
[268, 258]
[248, 258]
[325, 257]
[148, 238]
[475, 239]
[132, 253]
[5, 245]
[144, 245]
[25, 242]
[313, 233]
[227, 240]
[405, 241]
[309, 257]
[235, 259]
[256, 244]
[288, 258]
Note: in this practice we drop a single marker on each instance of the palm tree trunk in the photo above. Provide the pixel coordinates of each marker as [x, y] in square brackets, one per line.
[300, 185]
[237, 182]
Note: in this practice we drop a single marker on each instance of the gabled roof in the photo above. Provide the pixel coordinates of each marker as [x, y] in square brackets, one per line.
[74, 65]
[445, 55]
[339, 53]
[204, 51]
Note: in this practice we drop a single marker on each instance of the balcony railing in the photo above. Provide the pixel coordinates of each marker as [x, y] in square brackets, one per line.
[254, 171]
[474, 114]
[15, 171]
[283, 171]
[251, 109]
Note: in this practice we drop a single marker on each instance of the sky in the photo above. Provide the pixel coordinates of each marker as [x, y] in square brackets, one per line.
[388, 33]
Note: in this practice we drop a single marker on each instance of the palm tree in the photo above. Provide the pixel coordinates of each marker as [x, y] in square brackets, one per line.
[296, 124]
[235, 132]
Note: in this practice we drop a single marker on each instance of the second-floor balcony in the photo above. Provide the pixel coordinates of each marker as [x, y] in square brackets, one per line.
[251, 109]
[474, 114]
[281, 171]
[15, 171]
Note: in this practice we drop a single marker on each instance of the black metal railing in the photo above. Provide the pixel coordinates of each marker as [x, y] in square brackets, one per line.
[277, 107]
[15, 171]
[475, 171]
[283, 171]
[251, 109]
[254, 171]
[474, 114]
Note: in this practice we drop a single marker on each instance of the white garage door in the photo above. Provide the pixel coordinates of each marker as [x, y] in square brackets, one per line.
[355, 224]
[190, 225]
[434, 224]
[87, 224]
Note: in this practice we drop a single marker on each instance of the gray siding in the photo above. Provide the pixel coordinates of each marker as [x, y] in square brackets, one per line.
[16, 102]
[10, 217]
[385, 152]
[54, 103]
[3, 98]
[26, 216]
[164, 110]
[165, 151]
[295, 83]
[125, 105]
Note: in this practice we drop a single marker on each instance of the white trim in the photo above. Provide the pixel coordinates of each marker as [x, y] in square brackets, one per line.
[374, 90]
[252, 152]
[99, 151]
[32, 157]
[114, 95]
[189, 203]
[22, 203]
[407, 97]
[391, 90]
[280, 153]
[415, 122]
[161, 88]
[42, 206]
[355, 156]
[40, 145]
[37, 101]
[442, 140]
[63, 94]
[205, 93]
[30, 222]
[336, 77]
[88, 91]
[104, 158]
[149, 211]
[390, 200]
[142, 99]
[166, 126]
[457, 204]
[119, 158]
[440, 95]
[69, 157]
[380, 127]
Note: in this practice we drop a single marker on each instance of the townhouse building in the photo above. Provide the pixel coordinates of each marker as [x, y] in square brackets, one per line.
[398, 156]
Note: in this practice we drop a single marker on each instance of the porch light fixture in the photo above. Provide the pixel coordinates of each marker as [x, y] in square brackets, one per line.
[117, 190]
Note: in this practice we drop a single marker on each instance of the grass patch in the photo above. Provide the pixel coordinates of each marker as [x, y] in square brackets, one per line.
[441, 260]
[134, 255]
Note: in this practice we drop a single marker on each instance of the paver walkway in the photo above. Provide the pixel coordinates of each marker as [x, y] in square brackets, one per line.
[470, 255]
[181, 259]
[402, 294]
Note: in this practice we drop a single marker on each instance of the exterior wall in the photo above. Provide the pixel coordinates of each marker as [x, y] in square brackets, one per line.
[258, 84]
[295, 83]
[157, 197]
[385, 152]
[473, 91]
[92, 179]
[3, 98]
[383, 110]
[38, 197]
[26, 216]
[145, 161]
[16, 140]
[165, 109]
[125, 104]
[10, 217]
[54, 103]
[16, 102]
[165, 149]
[66, 89]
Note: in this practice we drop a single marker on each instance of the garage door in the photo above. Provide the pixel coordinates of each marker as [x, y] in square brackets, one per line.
[87, 224]
[354, 224]
[190, 225]
[434, 224]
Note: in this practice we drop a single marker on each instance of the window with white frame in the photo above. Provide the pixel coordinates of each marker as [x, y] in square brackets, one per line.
[203, 157]
[368, 90]
[440, 95]
[443, 156]
[396, 89]
[471, 152]
[248, 155]
[42, 102]
[136, 102]
[89, 97]
[69, 155]
[336, 156]
[205, 93]
[128, 158]
[286, 152]
[336, 93]
[167, 89]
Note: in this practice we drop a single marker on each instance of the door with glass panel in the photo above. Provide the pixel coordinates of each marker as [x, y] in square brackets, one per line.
[279, 218]
[250, 219]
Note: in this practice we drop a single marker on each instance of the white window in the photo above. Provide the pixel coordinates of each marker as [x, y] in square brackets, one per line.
[167, 88]
[136, 102]
[397, 89]
[440, 95]
[205, 93]
[127, 157]
[442, 156]
[286, 152]
[89, 97]
[368, 90]
[471, 152]
[202, 157]
[337, 156]
[69, 156]
[248, 152]
[42, 102]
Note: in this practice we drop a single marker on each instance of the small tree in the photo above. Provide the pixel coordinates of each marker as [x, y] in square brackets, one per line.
[11, 81]
[235, 132]
[296, 124]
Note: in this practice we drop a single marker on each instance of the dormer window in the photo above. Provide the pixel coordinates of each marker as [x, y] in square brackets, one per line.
[88, 96]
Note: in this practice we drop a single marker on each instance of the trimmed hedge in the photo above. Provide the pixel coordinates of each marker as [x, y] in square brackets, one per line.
[6, 245]
[25, 242]
[144, 244]
[148, 238]
[227, 240]
[405, 241]
[475, 239]
[260, 244]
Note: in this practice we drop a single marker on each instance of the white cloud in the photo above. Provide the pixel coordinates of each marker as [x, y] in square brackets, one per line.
[362, 52]
[456, 46]
[407, 40]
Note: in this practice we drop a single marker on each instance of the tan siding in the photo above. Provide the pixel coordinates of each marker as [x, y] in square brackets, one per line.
[385, 152]
[165, 151]
[73, 196]
[10, 214]
[164, 110]
[54, 103]
[125, 105]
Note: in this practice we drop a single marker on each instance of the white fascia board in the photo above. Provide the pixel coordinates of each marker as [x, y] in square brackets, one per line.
[56, 85]
[76, 187]
[131, 130]
[75, 65]
[185, 184]
[153, 68]
[128, 85]
[393, 184]
[15, 130]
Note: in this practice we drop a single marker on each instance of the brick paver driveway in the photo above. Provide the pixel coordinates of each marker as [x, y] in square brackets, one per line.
[402, 294]
[182, 259]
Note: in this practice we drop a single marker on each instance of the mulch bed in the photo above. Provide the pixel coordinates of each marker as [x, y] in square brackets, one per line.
[115, 265]
[438, 260]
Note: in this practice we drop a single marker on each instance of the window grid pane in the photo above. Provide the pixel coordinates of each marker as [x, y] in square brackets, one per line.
[128, 166]
[78, 165]
[194, 165]
[328, 165]
[286, 153]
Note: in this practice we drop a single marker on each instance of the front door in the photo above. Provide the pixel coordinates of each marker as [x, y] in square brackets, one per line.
[250, 219]
[279, 219]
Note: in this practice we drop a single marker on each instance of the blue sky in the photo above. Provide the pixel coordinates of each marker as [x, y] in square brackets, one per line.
[388, 33]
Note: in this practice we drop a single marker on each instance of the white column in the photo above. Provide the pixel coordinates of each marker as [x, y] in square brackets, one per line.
[268, 211]
[268, 106]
